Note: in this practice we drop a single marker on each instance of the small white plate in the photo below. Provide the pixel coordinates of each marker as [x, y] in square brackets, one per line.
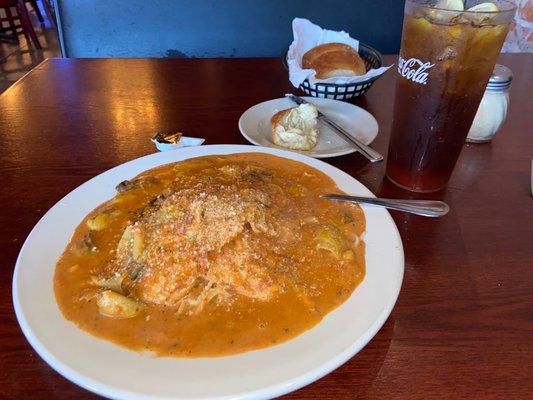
[115, 372]
[254, 125]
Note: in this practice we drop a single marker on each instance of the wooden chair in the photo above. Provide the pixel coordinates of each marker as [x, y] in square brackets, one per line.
[25, 26]
[49, 11]
[37, 11]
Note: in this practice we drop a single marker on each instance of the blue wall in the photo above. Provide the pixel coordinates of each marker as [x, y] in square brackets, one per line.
[208, 28]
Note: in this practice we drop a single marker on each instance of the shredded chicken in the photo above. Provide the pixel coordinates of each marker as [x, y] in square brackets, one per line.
[199, 243]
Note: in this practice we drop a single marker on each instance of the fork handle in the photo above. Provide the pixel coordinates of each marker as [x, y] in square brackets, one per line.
[426, 208]
[367, 151]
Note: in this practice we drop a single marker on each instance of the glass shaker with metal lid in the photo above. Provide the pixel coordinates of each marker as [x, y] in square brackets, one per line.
[493, 107]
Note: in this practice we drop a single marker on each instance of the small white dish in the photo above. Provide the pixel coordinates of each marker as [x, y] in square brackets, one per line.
[115, 372]
[185, 141]
[254, 125]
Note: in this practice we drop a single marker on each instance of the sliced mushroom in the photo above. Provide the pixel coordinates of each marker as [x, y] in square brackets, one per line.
[124, 186]
[85, 245]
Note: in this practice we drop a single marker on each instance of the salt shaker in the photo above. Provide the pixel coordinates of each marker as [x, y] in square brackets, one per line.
[493, 107]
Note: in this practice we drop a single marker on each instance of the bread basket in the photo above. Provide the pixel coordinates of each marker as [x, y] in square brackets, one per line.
[372, 59]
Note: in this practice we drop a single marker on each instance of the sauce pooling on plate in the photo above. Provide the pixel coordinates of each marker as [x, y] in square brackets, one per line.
[212, 256]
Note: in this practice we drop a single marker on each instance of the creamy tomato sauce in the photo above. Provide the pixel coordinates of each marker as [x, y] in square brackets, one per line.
[212, 256]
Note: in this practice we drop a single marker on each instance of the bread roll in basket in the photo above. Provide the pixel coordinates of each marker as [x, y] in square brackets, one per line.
[371, 59]
[331, 60]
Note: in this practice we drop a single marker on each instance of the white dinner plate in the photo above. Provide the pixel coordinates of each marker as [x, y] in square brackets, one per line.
[112, 371]
[254, 125]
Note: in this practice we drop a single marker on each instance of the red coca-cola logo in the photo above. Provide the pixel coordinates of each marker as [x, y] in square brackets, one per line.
[414, 69]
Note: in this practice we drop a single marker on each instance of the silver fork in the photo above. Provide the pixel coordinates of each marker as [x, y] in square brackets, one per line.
[426, 208]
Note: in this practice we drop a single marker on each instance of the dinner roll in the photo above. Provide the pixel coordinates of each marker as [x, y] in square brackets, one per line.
[296, 128]
[334, 59]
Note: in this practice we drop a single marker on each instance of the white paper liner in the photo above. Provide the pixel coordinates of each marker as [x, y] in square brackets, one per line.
[308, 35]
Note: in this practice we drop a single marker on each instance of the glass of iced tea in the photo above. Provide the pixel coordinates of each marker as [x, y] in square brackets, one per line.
[448, 52]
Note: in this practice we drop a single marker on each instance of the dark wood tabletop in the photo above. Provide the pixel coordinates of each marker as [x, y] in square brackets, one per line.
[463, 324]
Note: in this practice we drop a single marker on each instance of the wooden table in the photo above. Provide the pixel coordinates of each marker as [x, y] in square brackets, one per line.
[463, 324]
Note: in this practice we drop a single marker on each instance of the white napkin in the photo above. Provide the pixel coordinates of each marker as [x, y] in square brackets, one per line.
[185, 141]
[308, 35]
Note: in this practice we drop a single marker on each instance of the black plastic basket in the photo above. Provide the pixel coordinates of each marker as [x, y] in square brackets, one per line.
[372, 59]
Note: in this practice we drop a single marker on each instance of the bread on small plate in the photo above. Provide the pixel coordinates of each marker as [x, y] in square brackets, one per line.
[296, 128]
[332, 60]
